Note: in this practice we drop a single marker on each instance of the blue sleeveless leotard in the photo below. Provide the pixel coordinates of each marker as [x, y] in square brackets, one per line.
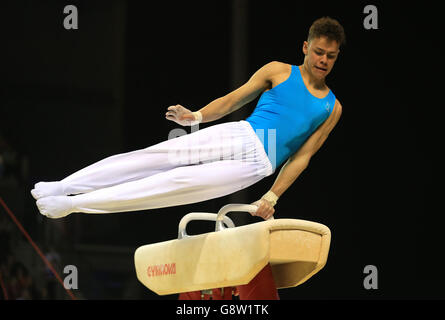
[286, 116]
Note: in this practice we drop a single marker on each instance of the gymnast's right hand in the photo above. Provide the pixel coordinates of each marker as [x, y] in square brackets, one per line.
[265, 209]
[181, 115]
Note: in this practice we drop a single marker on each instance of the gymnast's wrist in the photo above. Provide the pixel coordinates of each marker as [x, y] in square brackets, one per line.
[271, 197]
[198, 116]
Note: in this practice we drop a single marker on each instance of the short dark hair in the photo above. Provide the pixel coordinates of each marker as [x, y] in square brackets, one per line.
[327, 27]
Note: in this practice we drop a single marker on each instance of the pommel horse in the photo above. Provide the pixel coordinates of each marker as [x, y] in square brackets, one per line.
[232, 256]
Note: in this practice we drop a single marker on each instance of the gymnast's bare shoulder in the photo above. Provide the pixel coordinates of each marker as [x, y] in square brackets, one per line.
[279, 72]
[262, 80]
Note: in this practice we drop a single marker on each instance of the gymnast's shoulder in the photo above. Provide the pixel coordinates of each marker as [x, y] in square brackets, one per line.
[278, 66]
[274, 72]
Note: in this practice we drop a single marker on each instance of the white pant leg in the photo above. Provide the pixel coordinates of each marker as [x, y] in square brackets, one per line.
[230, 158]
[179, 186]
[115, 170]
[197, 147]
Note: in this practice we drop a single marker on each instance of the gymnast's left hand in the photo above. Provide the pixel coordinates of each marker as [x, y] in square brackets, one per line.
[180, 115]
[265, 209]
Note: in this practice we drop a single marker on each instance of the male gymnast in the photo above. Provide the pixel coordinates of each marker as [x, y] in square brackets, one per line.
[292, 119]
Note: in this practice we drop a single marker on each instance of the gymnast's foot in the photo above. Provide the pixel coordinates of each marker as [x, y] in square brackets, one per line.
[55, 206]
[46, 189]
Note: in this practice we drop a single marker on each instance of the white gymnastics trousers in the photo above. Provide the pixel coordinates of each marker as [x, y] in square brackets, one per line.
[205, 164]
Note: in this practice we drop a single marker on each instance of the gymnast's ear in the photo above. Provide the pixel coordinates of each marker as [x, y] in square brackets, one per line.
[305, 47]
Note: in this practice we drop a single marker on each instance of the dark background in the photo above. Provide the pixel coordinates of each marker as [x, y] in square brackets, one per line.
[72, 97]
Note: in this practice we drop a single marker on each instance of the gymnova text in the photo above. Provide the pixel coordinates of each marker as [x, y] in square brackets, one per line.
[161, 270]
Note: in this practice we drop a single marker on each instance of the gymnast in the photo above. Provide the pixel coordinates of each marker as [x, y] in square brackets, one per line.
[292, 119]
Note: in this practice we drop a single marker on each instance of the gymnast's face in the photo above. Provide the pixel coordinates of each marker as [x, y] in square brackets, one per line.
[320, 56]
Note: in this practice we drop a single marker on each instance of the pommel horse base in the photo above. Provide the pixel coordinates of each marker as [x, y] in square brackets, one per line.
[232, 256]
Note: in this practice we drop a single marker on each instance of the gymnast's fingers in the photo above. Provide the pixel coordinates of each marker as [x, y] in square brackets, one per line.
[267, 214]
[262, 210]
[270, 214]
[266, 210]
[257, 204]
[173, 108]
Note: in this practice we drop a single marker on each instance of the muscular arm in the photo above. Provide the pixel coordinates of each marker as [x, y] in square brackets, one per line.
[299, 161]
[259, 82]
